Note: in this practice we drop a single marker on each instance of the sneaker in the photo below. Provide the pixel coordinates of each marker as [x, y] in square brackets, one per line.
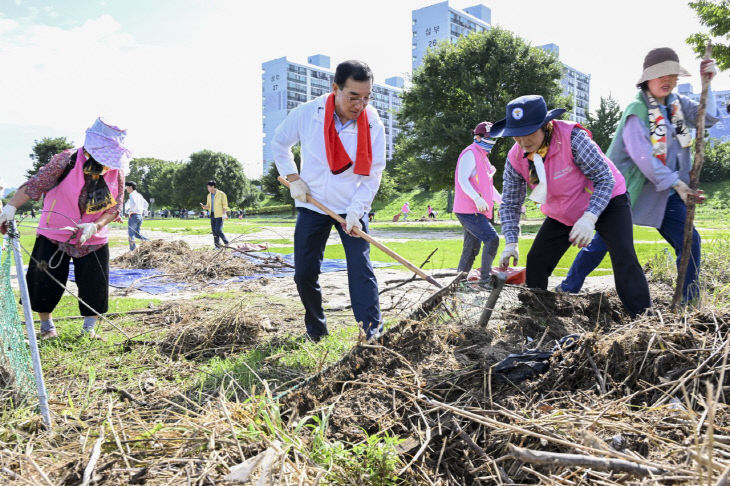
[375, 337]
[52, 334]
[559, 289]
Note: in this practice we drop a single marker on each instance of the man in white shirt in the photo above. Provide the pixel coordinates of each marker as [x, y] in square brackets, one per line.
[343, 156]
[136, 206]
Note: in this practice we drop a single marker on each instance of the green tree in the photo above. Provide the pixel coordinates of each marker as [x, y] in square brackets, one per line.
[716, 166]
[155, 178]
[458, 86]
[271, 185]
[43, 150]
[716, 16]
[603, 123]
[192, 176]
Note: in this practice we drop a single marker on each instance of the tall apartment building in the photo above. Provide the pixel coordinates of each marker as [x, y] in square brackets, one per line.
[440, 21]
[286, 85]
[721, 129]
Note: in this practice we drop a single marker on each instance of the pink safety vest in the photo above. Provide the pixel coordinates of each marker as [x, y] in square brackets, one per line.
[481, 182]
[64, 199]
[568, 189]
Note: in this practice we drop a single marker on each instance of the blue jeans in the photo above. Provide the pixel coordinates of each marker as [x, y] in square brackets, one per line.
[672, 229]
[134, 225]
[478, 230]
[216, 226]
[310, 239]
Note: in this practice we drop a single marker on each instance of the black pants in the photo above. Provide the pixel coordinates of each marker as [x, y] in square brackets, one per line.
[616, 229]
[91, 272]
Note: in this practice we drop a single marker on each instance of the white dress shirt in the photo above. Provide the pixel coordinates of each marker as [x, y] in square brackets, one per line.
[136, 204]
[343, 192]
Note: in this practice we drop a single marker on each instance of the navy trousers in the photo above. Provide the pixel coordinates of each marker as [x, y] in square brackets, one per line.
[672, 229]
[478, 230]
[310, 238]
[216, 226]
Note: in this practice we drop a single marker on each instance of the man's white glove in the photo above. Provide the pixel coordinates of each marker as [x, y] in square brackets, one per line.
[7, 214]
[298, 190]
[87, 231]
[510, 251]
[685, 191]
[583, 229]
[353, 221]
[481, 204]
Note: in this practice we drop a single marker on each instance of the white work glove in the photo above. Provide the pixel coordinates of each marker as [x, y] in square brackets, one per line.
[539, 192]
[510, 251]
[685, 191]
[583, 229]
[7, 215]
[87, 231]
[481, 204]
[352, 221]
[298, 190]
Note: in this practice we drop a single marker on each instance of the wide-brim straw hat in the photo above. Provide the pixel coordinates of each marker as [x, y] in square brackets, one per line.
[662, 61]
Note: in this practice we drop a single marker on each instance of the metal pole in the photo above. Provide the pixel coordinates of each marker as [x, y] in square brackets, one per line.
[25, 299]
[497, 286]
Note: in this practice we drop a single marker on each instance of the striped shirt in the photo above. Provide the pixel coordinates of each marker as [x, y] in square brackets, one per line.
[587, 158]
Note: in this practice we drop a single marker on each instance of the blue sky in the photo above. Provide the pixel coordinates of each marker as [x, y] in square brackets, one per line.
[185, 75]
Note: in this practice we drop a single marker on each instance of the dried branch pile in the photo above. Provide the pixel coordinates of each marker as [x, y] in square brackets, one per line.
[632, 400]
[176, 258]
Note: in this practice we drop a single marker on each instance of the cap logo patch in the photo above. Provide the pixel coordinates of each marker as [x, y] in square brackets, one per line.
[517, 113]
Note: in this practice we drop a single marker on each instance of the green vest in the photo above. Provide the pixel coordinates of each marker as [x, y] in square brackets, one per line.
[635, 180]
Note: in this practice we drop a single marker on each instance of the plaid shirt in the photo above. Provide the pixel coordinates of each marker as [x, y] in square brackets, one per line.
[587, 158]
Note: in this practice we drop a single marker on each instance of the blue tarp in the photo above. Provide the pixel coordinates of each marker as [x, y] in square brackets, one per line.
[124, 277]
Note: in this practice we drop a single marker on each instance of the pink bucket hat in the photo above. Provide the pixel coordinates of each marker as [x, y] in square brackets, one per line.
[105, 143]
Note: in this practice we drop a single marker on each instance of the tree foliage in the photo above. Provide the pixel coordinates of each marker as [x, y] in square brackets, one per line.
[43, 150]
[191, 178]
[458, 86]
[271, 185]
[603, 123]
[155, 178]
[716, 16]
[716, 166]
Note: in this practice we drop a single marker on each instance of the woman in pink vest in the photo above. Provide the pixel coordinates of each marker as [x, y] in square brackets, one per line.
[474, 197]
[578, 189]
[83, 192]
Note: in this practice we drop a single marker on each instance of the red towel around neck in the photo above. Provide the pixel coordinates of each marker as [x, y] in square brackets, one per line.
[337, 157]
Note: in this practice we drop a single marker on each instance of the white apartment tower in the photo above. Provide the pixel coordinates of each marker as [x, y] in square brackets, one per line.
[287, 84]
[440, 22]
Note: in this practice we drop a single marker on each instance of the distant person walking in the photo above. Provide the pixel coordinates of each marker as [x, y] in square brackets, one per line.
[136, 207]
[217, 204]
[405, 210]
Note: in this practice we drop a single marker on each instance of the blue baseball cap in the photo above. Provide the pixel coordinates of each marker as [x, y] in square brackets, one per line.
[525, 115]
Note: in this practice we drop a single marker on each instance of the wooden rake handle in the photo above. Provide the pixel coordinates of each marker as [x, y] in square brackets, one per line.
[369, 239]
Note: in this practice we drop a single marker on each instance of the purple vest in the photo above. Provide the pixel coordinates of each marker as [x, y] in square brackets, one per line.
[568, 189]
